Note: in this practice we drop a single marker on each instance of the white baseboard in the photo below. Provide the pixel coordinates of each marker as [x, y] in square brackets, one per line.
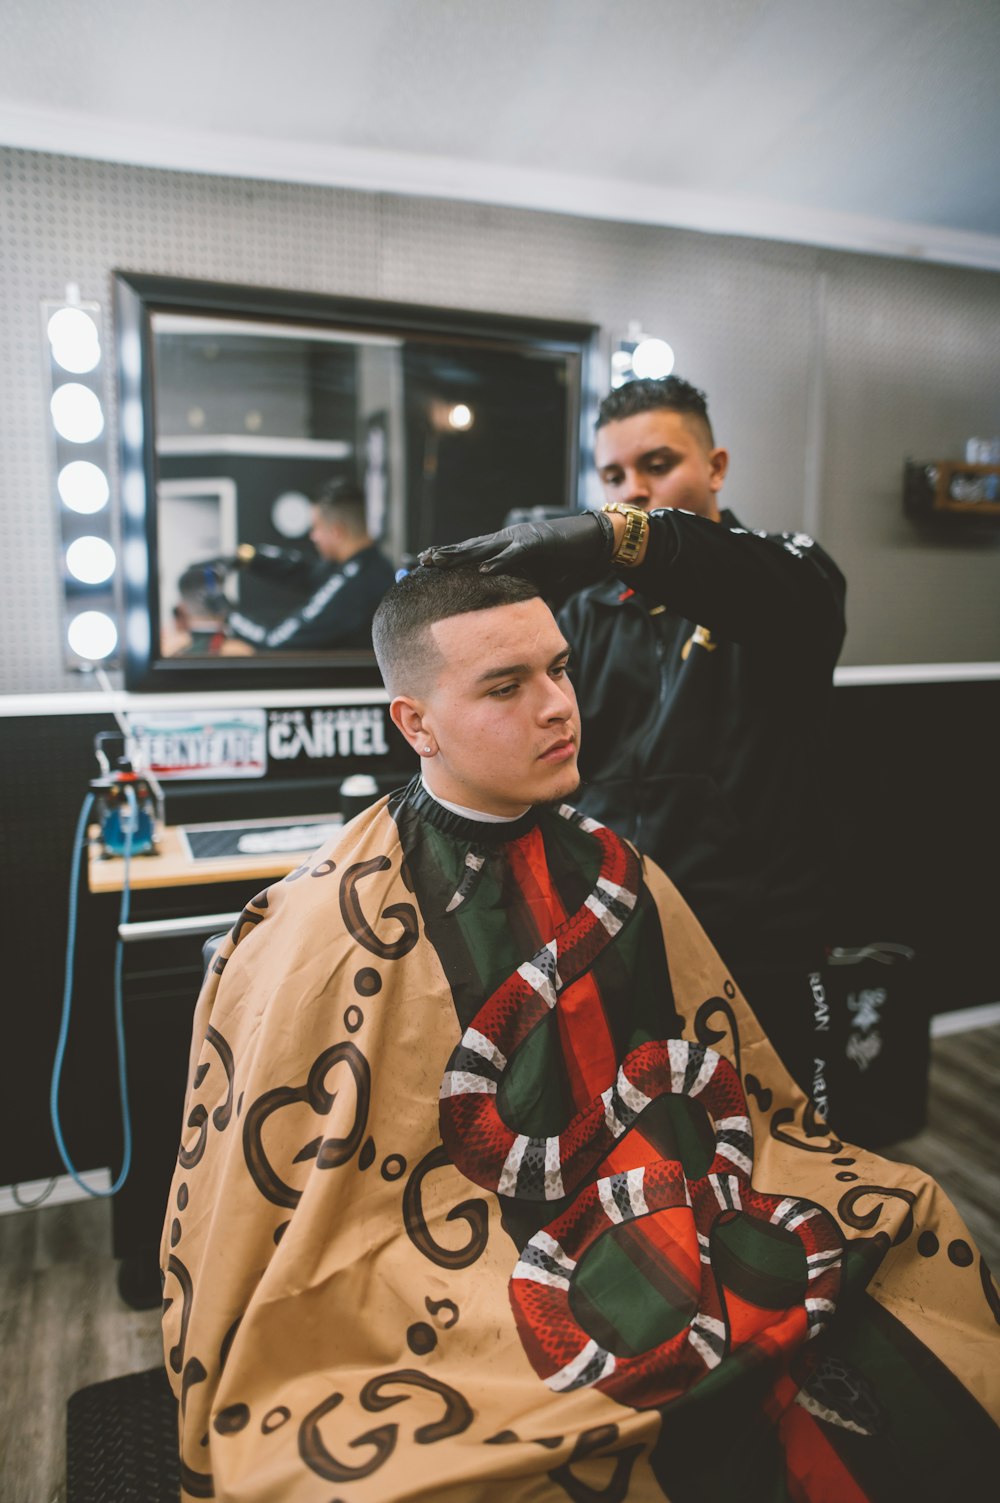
[964, 1020]
[63, 1190]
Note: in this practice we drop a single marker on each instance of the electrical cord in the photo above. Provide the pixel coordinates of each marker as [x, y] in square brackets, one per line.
[67, 1004]
[32, 1205]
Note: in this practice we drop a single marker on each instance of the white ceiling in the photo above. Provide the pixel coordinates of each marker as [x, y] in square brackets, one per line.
[866, 124]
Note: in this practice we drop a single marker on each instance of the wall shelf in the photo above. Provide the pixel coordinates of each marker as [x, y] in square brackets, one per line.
[951, 488]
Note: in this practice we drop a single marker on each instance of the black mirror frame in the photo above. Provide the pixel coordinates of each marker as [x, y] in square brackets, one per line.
[137, 297]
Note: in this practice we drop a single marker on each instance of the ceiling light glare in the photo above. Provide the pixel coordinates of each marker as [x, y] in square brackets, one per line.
[91, 560]
[652, 359]
[76, 413]
[75, 342]
[83, 487]
[92, 634]
[460, 417]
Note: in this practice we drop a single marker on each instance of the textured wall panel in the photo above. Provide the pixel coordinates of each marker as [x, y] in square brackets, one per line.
[819, 396]
[912, 369]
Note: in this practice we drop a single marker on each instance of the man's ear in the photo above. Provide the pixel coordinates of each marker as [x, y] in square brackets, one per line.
[718, 461]
[408, 718]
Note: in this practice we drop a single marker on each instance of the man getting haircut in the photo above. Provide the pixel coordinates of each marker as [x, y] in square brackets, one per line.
[491, 1186]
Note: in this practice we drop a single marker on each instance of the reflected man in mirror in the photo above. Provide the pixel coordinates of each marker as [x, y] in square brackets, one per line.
[200, 626]
[345, 586]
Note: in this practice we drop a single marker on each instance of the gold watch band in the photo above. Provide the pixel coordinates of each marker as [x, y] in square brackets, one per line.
[636, 529]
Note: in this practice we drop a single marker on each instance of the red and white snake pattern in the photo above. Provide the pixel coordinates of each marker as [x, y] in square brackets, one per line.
[513, 1165]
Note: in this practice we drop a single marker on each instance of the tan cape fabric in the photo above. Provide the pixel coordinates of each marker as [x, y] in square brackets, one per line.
[318, 1351]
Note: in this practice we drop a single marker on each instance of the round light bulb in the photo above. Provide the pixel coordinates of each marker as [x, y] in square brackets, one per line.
[75, 343]
[92, 634]
[460, 417]
[83, 486]
[76, 413]
[90, 560]
[652, 359]
[291, 514]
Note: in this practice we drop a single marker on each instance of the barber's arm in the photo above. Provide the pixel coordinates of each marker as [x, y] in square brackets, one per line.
[776, 589]
[570, 550]
[289, 565]
[335, 615]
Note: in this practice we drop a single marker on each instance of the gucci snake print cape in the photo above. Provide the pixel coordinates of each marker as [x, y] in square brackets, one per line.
[491, 1188]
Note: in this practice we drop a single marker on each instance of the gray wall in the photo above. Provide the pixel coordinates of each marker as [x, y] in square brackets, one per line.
[825, 369]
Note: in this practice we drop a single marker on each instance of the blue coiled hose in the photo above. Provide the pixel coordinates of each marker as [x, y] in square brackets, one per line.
[67, 1003]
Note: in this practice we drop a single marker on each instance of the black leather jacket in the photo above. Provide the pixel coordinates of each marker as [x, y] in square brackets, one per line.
[704, 678]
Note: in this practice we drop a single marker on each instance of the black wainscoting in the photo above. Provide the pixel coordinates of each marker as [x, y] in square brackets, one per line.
[916, 794]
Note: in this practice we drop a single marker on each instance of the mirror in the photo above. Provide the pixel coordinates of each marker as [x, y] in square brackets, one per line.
[284, 454]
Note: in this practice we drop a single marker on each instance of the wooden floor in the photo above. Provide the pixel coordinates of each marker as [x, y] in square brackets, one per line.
[63, 1324]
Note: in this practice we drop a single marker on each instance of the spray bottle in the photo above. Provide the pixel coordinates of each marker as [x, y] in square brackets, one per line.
[120, 817]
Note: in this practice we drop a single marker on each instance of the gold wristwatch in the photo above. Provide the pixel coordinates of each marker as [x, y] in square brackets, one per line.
[636, 529]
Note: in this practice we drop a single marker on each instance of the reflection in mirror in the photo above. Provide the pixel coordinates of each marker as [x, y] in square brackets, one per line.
[296, 457]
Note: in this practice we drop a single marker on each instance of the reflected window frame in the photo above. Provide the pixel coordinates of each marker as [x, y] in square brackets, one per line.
[138, 297]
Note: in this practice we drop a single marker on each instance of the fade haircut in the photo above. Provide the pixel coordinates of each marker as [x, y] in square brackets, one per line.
[200, 589]
[670, 394]
[344, 501]
[401, 628]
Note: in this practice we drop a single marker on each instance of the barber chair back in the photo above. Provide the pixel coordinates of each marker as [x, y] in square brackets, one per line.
[209, 948]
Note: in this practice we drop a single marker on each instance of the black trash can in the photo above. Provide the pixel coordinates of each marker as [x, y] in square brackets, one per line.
[879, 1044]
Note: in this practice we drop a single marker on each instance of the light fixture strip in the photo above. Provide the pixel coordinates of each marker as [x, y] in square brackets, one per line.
[88, 565]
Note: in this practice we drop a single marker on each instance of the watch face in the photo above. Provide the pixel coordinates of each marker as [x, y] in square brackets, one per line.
[291, 514]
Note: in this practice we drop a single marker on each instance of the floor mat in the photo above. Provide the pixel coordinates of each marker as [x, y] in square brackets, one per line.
[121, 1441]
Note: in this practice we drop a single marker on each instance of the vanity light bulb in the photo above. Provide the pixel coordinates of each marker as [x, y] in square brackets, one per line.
[83, 486]
[137, 632]
[652, 359]
[91, 560]
[92, 634]
[75, 342]
[460, 417]
[76, 413]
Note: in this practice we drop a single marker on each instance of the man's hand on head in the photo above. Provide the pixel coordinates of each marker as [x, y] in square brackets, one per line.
[569, 548]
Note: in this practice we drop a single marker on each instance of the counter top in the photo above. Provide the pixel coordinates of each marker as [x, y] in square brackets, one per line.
[173, 866]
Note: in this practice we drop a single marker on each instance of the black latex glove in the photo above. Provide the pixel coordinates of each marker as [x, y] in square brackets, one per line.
[569, 548]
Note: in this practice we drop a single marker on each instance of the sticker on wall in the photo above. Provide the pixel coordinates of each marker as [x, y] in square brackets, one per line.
[182, 744]
[321, 734]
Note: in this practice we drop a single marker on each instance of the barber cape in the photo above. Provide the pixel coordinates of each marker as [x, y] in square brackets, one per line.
[491, 1188]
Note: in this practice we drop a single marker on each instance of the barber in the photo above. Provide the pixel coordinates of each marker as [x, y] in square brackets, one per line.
[703, 657]
[344, 584]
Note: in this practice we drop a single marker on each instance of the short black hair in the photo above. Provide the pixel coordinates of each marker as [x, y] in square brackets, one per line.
[401, 626]
[200, 589]
[344, 501]
[670, 393]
